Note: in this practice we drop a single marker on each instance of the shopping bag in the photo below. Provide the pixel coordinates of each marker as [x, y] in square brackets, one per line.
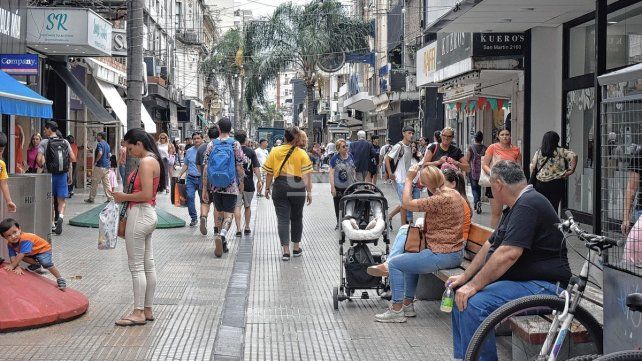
[180, 193]
[108, 226]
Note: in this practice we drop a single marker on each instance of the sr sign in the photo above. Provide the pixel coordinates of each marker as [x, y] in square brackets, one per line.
[118, 42]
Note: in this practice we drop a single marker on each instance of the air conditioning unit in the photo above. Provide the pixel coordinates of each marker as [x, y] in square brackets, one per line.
[190, 36]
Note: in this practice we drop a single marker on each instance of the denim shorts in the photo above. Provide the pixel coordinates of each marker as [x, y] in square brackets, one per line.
[43, 258]
[59, 186]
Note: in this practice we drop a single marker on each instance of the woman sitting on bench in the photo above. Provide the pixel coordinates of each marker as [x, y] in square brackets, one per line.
[444, 223]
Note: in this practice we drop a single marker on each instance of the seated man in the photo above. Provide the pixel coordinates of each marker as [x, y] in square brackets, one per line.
[525, 256]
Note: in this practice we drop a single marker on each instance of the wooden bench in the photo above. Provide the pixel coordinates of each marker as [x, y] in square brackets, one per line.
[529, 332]
[431, 286]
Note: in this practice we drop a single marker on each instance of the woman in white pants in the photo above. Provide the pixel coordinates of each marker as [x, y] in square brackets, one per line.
[148, 179]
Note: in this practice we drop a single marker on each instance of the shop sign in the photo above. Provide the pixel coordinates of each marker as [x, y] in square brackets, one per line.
[68, 31]
[452, 48]
[107, 74]
[118, 42]
[19, 64]
[426, 63]
[498, 44]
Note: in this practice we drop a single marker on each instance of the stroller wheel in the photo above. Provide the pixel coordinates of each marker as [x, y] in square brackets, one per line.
[335, 298]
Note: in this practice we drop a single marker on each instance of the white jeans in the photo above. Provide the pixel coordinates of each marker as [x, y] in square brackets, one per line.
[141, 223]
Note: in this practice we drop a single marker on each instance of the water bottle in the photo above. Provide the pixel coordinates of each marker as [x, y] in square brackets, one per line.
[447, 300]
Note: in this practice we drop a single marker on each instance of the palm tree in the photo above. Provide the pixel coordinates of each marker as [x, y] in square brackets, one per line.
[298, 36]
[227, 61]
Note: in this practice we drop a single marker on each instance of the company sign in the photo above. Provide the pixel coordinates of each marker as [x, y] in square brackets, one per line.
[426, 64]
[118, 42]
[68, 31]
[498, 44]
[19, 64]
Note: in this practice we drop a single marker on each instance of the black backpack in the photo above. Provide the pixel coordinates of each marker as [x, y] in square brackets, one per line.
[57, 156]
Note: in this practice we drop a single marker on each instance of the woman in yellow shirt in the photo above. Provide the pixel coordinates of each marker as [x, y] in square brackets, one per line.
[288, 167]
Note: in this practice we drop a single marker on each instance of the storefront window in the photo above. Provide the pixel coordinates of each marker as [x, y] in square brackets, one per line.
[579, 139]
[581, 49]
[624, 37]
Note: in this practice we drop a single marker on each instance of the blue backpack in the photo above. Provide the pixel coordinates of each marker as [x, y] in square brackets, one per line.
[221, 165]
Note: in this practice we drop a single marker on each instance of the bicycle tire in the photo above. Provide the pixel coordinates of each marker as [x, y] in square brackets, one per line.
[522, 306]
[585, 358]
[622, 356]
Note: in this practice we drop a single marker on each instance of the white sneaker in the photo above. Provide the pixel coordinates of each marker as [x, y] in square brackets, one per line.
[409, 310]
[391, 316]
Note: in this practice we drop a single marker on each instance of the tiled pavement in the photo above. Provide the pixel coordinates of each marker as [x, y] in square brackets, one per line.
[288, 306]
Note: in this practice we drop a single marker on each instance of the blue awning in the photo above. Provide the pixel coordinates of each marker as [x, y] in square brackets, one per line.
[17, 99]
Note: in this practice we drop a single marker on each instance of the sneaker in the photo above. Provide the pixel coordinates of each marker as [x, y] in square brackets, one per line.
[478, 208]
[218, 250]
[193, 223]
[409, 310]
[62, 284]
[225, 249]
[58, 228]
[238, 234]
[89, 201]
[286, 257]
[247, 231]
[34, 268]
[297, 252]
[380, 270]
[215, 229]
[391, 316]
[203, 226]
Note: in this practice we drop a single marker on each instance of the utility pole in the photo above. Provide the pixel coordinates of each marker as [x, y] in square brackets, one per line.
[134, 67]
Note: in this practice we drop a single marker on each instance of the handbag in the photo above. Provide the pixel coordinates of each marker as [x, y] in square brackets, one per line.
[415, 240]
[484, 178]
[122, 217]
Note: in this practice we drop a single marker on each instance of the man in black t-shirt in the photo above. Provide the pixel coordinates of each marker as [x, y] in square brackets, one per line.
[525, 256]
[247, 193]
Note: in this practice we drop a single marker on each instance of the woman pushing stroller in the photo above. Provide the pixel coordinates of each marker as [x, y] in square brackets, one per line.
[444, 226]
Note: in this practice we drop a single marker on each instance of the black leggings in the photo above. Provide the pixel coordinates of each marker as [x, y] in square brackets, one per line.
[288, 196]
[552, 190]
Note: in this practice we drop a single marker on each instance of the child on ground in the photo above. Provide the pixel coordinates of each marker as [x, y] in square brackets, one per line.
[113, 181]
[29, 248]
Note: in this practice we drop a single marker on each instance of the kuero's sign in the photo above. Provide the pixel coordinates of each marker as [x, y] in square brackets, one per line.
[19, 64]
[498, 44]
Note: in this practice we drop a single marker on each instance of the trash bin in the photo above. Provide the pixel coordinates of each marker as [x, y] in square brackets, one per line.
[22, 191]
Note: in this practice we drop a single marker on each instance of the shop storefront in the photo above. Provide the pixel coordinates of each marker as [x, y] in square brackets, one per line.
[480, 79]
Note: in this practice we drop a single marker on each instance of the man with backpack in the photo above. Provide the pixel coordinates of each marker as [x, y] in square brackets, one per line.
[223, 178]
[100, 172]
[55, 155]
[398, 161]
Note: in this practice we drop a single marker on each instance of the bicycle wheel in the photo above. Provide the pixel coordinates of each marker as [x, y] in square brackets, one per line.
[517, 330]
[622, 356]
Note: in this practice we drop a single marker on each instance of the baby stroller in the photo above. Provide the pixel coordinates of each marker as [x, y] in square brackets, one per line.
[363, 211]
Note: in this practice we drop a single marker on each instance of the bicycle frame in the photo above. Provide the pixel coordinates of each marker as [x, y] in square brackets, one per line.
[573, 295]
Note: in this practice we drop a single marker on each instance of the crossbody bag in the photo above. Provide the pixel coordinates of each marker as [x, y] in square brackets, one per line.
[287, 156]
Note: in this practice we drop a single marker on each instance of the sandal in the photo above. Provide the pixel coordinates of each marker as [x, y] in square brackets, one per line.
[247, 231]
[126, 321]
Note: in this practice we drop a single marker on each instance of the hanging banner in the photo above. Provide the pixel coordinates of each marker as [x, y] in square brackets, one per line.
[19, 64]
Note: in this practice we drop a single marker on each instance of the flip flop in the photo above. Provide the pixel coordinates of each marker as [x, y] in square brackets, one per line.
[129, 322]
[150, 319]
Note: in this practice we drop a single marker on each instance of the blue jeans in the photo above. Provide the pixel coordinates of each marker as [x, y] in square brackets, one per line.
[416, 194]
[43, 258]
[476, 189]
[398, 246]
[482, 304]
[405, 269]
[192, 185]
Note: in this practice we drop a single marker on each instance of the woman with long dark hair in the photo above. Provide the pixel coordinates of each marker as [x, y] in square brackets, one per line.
[552, 164]
[148, 178]
[289, 166]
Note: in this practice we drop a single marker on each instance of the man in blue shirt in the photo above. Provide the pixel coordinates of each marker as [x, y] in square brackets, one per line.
[193, 181]
[100, 173]
[362, 152]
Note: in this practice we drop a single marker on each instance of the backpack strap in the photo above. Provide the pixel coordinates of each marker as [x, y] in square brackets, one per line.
[287, 156]
[400, 153]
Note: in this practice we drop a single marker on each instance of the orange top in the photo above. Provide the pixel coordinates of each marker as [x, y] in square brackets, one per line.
[468, 218]
[30, 244]
[138, 187]
[443, 222]
[512, 153]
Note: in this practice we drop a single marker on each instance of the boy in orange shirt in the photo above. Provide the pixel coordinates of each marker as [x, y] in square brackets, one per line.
[29, 248]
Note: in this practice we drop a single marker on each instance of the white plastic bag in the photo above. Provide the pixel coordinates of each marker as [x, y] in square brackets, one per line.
[108, 226]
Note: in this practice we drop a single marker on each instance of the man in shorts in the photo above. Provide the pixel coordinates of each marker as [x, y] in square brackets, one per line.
[224, 197]
[60, 181]
[212, 134]
[247, 193]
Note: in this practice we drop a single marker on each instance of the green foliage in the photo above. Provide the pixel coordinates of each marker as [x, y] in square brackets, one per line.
[296, 36]
[262, 115]
[222, 61]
